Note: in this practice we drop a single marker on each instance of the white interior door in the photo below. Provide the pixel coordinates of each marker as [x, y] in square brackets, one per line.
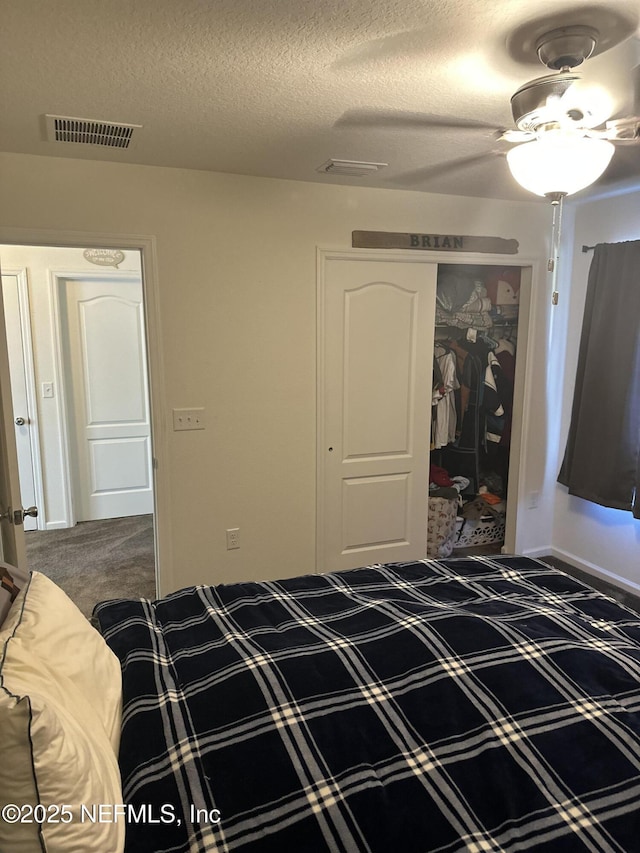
[376, 360]
[106, 360]
[24, 417]
[12, 543]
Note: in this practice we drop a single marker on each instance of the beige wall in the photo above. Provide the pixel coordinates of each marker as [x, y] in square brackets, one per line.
[236, 279]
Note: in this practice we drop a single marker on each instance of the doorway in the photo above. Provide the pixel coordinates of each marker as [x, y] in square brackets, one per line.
[87, 386]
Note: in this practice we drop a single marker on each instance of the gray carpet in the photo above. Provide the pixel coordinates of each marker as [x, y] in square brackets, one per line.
[621, 595]
[97, 560]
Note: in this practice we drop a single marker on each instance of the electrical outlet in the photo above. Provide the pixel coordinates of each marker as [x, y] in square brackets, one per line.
[534, 497]
[188, 419]
[233, 538]
[47, 389]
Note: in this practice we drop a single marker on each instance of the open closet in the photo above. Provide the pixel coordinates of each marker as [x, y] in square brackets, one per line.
[475, 346]
[418, 362]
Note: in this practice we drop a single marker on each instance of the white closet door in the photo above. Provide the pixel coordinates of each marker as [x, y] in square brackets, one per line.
[376, 359]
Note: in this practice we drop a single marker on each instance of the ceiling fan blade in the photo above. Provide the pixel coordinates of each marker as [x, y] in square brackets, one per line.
[413, 43]
[624, 130]
[402, 120]
[624, 126]
[614, 74]
[623, 166]
[426, 173]
[516, 136]
[635, 82]
[620, 131]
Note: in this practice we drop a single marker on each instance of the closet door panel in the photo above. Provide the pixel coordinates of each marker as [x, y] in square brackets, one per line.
[376, 358]
[378, 367]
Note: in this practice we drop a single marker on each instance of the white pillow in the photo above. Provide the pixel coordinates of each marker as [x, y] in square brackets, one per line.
[54, 631]
[60, 705]
[11, 582]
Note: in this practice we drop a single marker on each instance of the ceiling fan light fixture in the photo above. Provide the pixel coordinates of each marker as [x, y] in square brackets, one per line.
[559, 163]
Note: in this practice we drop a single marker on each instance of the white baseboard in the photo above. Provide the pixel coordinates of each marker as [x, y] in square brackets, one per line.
[592, 569]
[538, 552]
[57, 525]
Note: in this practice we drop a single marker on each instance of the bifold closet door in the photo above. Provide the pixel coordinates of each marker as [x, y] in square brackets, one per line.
[375, 374]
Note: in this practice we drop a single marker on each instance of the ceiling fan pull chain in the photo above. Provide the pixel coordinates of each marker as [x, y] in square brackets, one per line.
[556, 234]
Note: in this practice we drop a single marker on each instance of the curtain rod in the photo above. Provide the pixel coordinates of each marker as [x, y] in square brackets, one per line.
[588, 248]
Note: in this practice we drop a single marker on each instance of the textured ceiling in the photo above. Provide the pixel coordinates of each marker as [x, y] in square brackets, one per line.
[276, 87]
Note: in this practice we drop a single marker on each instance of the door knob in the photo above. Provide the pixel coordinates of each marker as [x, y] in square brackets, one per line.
[17, 516]
[20, 421]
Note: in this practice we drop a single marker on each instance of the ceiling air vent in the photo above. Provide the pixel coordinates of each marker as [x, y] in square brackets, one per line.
[83, 131]
[351, 168]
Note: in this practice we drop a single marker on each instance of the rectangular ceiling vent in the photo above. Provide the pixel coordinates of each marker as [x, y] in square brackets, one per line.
[83, 131]
[351, 168]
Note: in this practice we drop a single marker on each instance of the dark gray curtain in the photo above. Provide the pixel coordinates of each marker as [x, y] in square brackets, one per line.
[602, 457]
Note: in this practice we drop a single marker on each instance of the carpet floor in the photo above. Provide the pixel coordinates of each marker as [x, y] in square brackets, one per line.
[621, 595]
[97, 560]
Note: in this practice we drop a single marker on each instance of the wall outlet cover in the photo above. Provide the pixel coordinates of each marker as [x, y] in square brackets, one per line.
[184, 419]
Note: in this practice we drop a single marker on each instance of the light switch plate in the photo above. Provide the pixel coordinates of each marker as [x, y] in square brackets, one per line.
[188, 419]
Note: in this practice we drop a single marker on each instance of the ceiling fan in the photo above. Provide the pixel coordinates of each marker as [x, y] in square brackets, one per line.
[564, 133]
[562, 113]
[559, 99]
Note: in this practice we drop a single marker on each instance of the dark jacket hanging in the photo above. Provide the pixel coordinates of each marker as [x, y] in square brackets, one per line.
[602, 458]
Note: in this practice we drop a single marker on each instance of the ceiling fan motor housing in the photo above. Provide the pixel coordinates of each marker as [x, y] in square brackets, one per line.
[535, 105]
[530, 105]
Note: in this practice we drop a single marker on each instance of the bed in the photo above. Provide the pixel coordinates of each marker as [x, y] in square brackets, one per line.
[465, 704]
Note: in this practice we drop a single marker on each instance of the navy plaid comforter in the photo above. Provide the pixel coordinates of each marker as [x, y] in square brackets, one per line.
[467, 704]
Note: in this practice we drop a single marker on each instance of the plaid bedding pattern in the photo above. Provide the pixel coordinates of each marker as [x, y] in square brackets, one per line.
[467, 704]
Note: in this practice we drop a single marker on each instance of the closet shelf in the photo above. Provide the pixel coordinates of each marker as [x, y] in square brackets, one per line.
[511, 324]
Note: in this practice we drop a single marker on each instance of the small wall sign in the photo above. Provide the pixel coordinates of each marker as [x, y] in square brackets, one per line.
[432, 242]
[104, 257]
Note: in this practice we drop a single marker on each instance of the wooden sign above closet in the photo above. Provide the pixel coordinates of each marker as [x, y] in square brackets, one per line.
[432, 242]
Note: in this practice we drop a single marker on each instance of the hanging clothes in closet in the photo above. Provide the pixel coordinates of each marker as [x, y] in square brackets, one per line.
[444, 417]
[474, 371]
[463, 454]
